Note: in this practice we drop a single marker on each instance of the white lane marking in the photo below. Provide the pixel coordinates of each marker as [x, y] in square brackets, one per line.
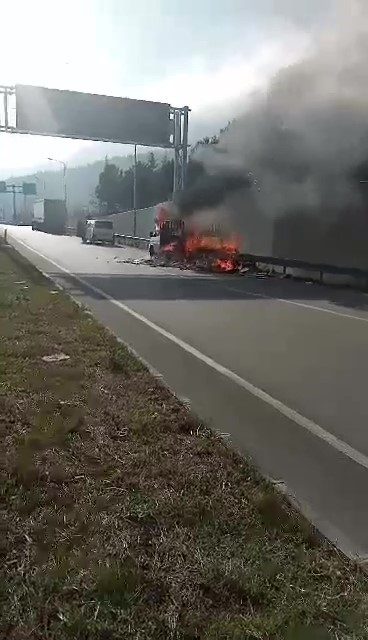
[304, 305]
[279, 406]
[298, 304]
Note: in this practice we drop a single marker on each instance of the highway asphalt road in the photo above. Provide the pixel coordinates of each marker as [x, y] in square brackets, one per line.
[280, 366]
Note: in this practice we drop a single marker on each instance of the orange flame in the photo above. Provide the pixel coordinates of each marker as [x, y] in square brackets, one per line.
[197, 243]
[227, 266]
[219, 250]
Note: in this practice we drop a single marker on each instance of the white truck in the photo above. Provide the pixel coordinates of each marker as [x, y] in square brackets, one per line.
[50, 216]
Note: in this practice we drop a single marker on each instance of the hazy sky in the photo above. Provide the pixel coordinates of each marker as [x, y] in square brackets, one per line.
[208, 54]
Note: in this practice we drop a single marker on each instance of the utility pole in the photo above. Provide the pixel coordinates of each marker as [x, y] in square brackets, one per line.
[135, 192]
[14, 204]
[64, 175]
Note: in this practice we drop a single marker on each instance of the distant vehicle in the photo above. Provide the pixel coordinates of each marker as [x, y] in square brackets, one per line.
[99, 231]
[50, 216]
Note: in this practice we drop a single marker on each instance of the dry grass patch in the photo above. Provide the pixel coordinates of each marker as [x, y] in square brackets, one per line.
[121, 516]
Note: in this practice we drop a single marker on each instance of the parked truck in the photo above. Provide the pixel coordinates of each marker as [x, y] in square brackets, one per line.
[50, 216]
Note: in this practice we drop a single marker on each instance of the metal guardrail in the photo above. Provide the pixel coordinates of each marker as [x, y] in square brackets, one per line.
[321, 268]
[285, 263]
[132, 241]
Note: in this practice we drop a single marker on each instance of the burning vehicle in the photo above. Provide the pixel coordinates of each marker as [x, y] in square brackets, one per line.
[180, 242]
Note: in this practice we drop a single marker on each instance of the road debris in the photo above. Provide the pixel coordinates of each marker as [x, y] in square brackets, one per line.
[202, 263]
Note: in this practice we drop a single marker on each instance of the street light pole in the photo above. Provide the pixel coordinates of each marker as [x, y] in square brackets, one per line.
[64, 178]
[64, 165]
[135, 192]
[14, 204]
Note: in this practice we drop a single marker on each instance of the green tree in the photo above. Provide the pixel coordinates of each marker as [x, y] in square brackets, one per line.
[165, 180]
[107, 190]
[154, 184]
[151, 163]
[154, 180]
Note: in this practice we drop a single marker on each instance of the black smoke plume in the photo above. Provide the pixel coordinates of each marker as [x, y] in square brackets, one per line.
[304, 142]
[210, 191]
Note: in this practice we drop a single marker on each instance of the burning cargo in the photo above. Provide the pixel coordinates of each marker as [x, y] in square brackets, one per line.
[181, 242]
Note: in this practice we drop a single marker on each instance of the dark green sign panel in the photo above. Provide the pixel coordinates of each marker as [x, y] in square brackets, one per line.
[29, 188]
[72, 114]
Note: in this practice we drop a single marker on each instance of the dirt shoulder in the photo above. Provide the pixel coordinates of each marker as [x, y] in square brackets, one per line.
[121, 516]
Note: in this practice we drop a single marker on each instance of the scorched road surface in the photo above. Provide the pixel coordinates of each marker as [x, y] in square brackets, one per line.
[280, 366]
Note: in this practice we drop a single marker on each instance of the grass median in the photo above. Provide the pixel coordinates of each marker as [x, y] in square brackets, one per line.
[122, 516]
